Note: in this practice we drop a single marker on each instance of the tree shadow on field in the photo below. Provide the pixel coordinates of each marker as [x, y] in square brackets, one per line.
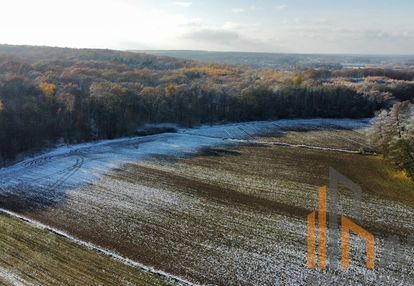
[23, 199]
[29, 188]
[218, 152]
[328, 127]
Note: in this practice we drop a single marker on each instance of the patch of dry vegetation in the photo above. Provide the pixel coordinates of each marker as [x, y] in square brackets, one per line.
[31, 256]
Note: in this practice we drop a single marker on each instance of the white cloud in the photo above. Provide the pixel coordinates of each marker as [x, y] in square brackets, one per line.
[255, 8]
[242, 10]
[231, 26]
[132, 24]
[237, 10]
[182, 4]
[109, 28]
[281, 7]
[223, 39]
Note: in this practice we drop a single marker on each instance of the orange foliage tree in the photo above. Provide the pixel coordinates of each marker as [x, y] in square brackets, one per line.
[48, 89]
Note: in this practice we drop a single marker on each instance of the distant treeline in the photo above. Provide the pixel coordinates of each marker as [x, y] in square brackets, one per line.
[287, 61]
[360, 73]
[79, 95]
[382, 72]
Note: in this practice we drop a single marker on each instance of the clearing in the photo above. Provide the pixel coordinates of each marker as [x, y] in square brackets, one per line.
[219, 205]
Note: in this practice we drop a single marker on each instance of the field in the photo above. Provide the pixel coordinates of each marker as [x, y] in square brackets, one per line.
[31, 256]
[218, 205]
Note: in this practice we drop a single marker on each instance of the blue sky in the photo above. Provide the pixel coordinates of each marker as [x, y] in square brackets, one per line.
[301, 26]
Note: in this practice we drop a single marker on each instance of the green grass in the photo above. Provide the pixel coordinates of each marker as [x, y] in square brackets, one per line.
[33, 256]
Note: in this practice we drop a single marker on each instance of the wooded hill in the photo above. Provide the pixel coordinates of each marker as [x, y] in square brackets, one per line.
[74, 95]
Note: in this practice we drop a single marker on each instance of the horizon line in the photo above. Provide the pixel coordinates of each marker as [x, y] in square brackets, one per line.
[217, 51]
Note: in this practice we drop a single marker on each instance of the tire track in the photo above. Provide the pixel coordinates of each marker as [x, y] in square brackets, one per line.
[283, 144]
[72, 170]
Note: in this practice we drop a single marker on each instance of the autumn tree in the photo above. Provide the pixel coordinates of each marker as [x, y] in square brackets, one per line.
[48, 89]
[392, 134]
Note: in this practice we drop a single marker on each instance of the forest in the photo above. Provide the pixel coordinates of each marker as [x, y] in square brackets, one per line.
[392, 134]
[60, 95]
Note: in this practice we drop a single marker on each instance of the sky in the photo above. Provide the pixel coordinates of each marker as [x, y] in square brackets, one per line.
[287, 26]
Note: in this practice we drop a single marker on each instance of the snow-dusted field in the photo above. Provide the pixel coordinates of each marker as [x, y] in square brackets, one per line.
[232, 215]
[49, 176]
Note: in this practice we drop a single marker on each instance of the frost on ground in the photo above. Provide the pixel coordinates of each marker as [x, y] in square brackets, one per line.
[234, 215]
[10, 278]
[45, 179]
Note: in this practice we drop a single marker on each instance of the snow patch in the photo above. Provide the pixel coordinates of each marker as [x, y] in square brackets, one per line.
[72, 166]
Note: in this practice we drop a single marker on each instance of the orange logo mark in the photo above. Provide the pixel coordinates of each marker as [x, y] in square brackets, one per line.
[346, 227]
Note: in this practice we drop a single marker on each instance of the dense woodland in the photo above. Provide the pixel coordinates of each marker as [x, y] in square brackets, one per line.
[392, 134]
[50, 95]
